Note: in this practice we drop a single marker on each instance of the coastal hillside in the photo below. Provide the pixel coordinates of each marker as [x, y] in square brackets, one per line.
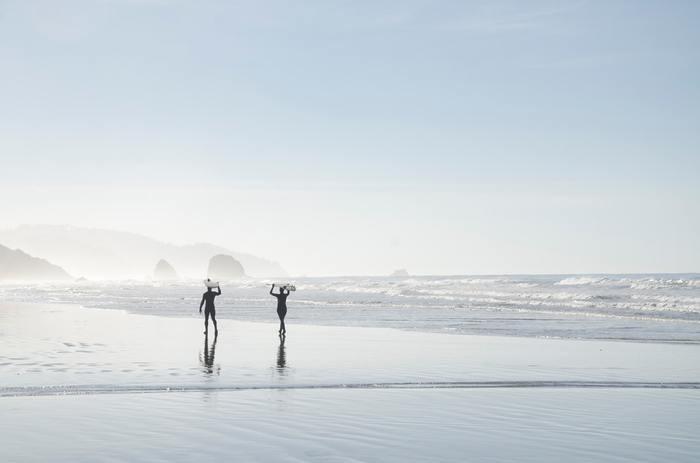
[96, 253]
[18, 265]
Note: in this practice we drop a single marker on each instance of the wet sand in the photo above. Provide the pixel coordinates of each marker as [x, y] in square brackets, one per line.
[147, 388]
[532, 425]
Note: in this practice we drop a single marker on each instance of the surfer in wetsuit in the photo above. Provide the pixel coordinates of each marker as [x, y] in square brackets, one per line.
[281, 307]
[209, 309]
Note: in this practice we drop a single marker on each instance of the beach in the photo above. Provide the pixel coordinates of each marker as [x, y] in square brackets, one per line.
[440, 232]
[80, 384]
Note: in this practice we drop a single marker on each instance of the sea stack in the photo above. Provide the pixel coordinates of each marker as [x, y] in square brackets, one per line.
[224, 267]
[402, 272]
[164, 271]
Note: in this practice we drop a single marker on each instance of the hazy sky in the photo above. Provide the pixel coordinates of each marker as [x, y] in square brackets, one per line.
[357, 137]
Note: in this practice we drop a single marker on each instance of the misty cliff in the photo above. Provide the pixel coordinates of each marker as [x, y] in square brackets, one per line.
[114, 254]
[18, 265]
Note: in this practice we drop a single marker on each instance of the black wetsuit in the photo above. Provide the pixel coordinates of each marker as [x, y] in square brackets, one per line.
[209, 309]
[281, 308]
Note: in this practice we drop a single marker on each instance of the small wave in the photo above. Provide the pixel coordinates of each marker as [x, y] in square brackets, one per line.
[138, 389]
[655, 283]
[646, 283]
[581, 281]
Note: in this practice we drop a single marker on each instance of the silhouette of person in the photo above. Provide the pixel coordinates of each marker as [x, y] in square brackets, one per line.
[281, 307]
[209, 309]
[208, 360]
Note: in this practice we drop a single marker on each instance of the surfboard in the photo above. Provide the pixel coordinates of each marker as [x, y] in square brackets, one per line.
[288, 286]
[211, 284]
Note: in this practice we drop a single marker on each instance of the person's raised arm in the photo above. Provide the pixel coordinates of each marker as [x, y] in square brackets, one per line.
[219, 288]
[201, 304]
[271, 289]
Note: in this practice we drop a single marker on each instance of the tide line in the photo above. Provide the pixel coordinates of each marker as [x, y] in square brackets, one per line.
[37, 391]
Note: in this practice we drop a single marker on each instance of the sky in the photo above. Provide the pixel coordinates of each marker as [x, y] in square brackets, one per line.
[360, 137]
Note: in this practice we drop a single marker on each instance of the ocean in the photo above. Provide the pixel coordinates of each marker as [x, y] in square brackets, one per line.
[649, 307]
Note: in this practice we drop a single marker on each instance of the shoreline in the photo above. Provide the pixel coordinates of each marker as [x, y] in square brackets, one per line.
[290, 321]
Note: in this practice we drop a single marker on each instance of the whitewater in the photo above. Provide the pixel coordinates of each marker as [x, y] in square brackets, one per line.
[649, 307]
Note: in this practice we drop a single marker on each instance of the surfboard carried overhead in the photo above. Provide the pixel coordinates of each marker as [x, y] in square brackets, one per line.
[287, 286]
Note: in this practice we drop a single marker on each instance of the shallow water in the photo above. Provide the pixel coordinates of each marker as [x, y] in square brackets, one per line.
[620, 307]
[54, 349]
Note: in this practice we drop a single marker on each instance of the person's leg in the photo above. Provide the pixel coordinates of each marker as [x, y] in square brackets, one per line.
[206, 321]
[283, 328]
[279, 314]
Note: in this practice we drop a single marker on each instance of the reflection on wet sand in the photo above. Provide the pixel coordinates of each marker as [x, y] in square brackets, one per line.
[207, 360]
[281, 356]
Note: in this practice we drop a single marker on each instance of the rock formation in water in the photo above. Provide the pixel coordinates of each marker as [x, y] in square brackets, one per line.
[402, 272]
[18, 265]
[164, 271]
[224, 267]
